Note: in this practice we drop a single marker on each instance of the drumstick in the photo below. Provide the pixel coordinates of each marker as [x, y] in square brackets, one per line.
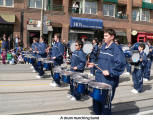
[98, 67]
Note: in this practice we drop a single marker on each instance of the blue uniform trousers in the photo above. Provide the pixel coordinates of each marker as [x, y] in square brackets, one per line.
[137, 77]
[147, 70]
[128, 67]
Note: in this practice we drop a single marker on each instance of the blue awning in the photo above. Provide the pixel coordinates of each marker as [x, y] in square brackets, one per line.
[77, 22]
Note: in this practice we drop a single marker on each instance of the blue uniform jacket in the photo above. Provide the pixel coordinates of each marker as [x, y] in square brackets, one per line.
[34, 46]
[94, 53]
[58, 52]
[41, 48]
[143, 63]
[113, 60]
[150, 55]
[78, 60]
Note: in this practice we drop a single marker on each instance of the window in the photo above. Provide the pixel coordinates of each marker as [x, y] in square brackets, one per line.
[136, 14]
[145, 15]
[140, 14]
[90, 7]
[109, 10]
[35, 3]
[148, 1]
[7, 3]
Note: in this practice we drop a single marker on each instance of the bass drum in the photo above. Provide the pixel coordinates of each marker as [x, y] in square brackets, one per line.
[72, 47]
[87, 47]
[125, 48]
[135, 56]
[146, 50]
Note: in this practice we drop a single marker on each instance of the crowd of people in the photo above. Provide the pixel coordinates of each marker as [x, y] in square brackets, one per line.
[10, 49]
[107, 62]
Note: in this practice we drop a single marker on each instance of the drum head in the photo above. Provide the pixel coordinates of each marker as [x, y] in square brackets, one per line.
[72, 47]
[135, 56]
[99, 85]
[67, 73]
[83, 81]
[146, 50]
[57, 69]
[87, 47]
[125, 48]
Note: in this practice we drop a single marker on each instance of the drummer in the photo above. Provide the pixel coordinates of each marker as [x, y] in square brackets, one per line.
[56, 54]
[139, 67]
[78, 62]
[146, 76]
[112, 61]
[34, 47]
[128, 66]
[93, 55]
[41, 51]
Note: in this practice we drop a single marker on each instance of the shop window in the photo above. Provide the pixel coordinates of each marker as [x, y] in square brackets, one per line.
[7, 3]
[109, 10]
[35, 4]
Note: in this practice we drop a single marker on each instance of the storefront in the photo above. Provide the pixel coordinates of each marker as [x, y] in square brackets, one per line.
[85, 28]
[33, 28]
[121, 36]
[7, 24]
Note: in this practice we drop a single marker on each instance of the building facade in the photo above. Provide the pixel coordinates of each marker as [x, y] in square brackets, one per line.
[76, 19]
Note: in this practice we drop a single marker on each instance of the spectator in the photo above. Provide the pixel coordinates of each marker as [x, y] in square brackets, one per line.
[16, 41]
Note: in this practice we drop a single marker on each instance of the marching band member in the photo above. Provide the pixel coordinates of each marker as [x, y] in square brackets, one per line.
[146, 76]
[93, 55]
[78, 62]
[41, 51]
[56, 53]
[112, 61]
[128, 66]
[138, 72]
[34, 49]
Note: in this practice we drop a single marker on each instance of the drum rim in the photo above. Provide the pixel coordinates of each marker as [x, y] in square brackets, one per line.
[110, 87]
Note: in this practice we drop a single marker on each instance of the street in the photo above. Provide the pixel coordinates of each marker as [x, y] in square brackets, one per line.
[21, 93]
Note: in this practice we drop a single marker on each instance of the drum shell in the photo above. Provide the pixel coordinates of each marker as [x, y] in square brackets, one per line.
[56, 76]
[66, 79]
[47, 65]
[128, 53]
[81, 87]
[98, 94]
[31, 60]
[99, 91]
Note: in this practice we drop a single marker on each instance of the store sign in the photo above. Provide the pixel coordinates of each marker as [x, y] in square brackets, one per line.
[76, 22]
[37, 22]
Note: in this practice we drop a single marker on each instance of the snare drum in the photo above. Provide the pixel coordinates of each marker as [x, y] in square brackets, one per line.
[135, 56]
[99, 91]
[81, 85]
[31, 60]
[47, 65]
[39, 62]
[66, 76]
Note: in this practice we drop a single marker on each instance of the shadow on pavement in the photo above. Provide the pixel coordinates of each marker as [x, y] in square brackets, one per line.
[124, 79]
[127, 108]
[146, 87]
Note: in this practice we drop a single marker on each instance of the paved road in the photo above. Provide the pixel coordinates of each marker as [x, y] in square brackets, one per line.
[22, 93]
